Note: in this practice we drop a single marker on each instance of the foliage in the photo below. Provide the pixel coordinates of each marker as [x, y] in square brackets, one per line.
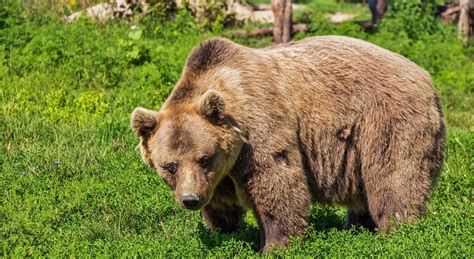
[412, 30]
[72, 182]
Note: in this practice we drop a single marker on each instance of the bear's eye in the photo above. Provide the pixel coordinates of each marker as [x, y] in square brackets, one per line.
[170, 167]
[205, 161]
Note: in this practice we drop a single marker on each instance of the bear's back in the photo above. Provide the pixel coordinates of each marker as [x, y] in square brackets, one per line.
[355, 62]
[333, 75]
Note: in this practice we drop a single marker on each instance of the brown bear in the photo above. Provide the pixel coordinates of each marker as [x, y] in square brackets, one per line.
[329, 119]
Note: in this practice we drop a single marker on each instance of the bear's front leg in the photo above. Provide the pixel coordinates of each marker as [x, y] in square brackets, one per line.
[279, 192]
[224, 211]
[224, 217]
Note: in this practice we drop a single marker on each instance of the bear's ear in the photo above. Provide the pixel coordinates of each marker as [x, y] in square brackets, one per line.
[143, 121]
[211, 106]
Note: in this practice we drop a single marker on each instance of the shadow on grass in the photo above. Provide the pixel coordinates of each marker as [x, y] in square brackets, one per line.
[215, 238]
[368, 26]
[322, 219]
[325, 218]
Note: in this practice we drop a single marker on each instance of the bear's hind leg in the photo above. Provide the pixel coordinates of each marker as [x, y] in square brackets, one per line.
[390, 206]
[398, 192]
[399, 168]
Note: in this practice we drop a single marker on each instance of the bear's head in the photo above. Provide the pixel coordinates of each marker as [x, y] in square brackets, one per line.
[193, 146]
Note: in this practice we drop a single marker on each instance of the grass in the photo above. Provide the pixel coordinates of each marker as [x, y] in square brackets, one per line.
[330, 6]
[72, 182]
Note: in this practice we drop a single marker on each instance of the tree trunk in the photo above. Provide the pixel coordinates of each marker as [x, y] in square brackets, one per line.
[282, 25]
[466, 19]
[378, 9]
[84, 4]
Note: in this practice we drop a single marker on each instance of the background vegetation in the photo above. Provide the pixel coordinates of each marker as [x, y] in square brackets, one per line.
[72, 182]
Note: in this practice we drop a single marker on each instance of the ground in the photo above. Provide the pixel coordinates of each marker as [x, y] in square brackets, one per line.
[73, 183]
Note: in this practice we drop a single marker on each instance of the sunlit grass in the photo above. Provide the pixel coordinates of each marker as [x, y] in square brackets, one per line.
[73, 183]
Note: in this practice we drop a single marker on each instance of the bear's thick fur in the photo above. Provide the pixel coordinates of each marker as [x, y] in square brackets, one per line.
[327, 119]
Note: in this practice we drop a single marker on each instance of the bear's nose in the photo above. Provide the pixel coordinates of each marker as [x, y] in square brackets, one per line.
[191, 201]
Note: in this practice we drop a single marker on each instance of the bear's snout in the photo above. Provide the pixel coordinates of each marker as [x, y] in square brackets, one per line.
[191, 201]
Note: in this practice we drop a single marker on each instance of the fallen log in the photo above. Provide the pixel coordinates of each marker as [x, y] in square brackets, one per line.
[466, 20]
[260, 32]
[110, 10]
[448, 13]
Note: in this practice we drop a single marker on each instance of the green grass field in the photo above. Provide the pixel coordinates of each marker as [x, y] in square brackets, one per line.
[73, 183]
